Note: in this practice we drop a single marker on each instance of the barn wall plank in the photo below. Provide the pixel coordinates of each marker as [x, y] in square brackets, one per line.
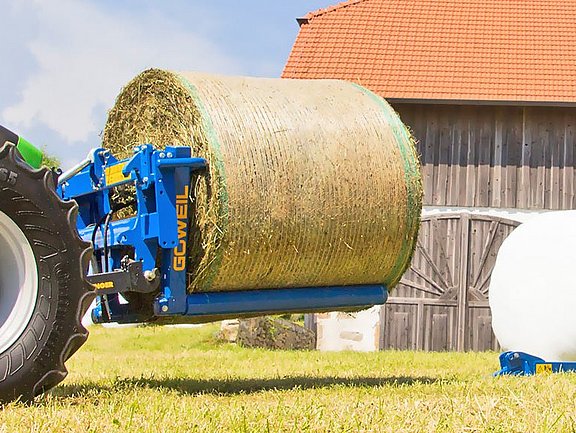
[498, 187]
[484, 140]
[482, 156]
[470, 184]
[537, 157]
[555, 163]
[513, 142]
[524, 166]
[567, 174]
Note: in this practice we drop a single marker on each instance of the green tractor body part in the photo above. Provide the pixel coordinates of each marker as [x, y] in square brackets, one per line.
[30, 153]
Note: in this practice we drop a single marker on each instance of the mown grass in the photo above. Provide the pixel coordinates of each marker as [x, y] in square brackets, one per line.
[180, 380]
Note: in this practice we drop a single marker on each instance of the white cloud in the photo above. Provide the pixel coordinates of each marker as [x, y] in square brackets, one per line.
[85, 53]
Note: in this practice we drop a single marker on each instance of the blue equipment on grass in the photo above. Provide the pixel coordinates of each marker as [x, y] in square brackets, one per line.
[142, 259]
[523, 364]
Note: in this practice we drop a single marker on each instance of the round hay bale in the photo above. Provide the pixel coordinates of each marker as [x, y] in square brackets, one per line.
[310, 182]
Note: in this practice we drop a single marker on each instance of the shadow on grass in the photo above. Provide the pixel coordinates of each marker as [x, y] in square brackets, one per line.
[240, 386]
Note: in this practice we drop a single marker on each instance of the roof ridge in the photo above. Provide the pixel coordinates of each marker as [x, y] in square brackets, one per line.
[324, 11]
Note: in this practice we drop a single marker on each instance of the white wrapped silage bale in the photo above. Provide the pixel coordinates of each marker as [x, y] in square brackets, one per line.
[533, 288]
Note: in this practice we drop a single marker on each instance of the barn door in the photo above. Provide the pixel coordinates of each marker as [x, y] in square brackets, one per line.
[441, 302]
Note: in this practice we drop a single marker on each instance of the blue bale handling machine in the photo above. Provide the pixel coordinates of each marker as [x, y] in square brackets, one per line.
[162, 182]
[55, 228]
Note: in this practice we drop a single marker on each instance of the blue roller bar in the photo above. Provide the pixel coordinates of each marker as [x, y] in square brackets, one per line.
[195, 163]
[284, 300]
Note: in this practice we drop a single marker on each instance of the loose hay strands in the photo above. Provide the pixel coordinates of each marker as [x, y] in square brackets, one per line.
[311, 183]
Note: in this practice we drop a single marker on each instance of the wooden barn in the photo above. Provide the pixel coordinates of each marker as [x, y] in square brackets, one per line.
[488, 88]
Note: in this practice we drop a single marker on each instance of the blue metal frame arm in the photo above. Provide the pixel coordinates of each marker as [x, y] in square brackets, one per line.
[161, 179]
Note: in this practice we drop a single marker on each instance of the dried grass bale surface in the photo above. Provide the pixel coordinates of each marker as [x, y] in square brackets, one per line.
[311, 182]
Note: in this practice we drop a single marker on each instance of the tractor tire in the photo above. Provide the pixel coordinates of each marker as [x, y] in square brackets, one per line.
[43, 290]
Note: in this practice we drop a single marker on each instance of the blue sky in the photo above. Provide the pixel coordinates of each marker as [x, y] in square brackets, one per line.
[64, 61]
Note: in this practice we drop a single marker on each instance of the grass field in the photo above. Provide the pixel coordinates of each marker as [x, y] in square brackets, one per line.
[180, 380]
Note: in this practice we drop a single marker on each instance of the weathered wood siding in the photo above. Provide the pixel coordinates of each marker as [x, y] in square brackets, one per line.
[495, 156]
[441, 302]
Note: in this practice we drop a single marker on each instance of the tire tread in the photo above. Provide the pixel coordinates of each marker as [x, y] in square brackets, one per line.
[45, 354]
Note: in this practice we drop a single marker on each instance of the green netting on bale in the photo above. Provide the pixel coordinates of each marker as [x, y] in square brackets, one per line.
[311, 182]
[414, 189]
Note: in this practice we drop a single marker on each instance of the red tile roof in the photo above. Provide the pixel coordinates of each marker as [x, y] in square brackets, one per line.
[470, 50]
